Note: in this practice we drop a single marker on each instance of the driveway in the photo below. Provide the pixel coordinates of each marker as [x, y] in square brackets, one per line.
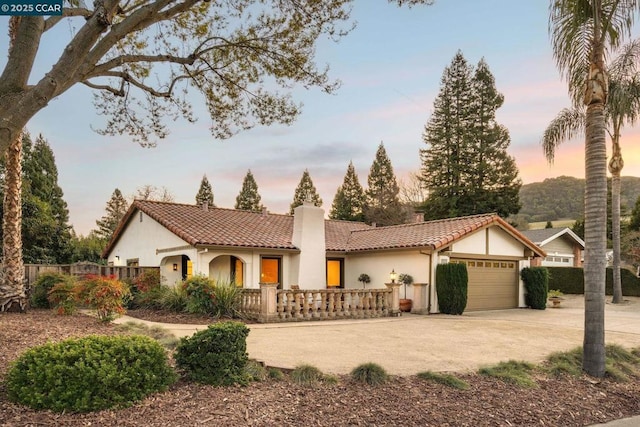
[410, 344]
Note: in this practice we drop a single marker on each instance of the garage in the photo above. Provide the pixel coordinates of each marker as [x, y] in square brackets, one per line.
[493, 283]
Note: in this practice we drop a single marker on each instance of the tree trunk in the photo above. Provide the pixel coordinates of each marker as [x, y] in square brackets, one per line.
[12, 292]
[615, 167]
[595, 206]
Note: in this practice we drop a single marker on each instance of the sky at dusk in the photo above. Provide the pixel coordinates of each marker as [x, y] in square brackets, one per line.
[390, 67]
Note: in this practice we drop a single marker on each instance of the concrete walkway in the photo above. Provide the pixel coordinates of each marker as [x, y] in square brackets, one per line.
[410, 344]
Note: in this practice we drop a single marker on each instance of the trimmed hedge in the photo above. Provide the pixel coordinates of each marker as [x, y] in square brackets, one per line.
[216, 355]
[536, 282]
[89, 374]
[451, 287]
[570, 280]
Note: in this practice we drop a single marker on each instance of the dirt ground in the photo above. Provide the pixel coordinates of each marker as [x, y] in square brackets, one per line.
[406, 401]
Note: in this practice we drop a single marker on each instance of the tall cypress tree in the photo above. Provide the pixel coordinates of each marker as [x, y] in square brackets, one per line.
[116, 209]
[466, 166]
[305, 191]
[205, 193]
[248, 199]
[348, 203]
[383, 205]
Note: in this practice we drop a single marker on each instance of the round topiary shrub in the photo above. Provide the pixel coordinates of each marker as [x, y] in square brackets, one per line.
[216, 355]
[41, 288]
[89, 374]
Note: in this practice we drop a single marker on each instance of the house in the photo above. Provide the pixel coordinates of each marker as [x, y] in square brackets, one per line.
[306, 250]
[563, 247]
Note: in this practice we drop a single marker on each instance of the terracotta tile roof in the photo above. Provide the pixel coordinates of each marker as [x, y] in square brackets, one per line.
[432, 234]
[215, 226]
[235, 228]
[337, 233]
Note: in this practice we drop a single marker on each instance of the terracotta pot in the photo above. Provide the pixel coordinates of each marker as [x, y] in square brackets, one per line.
[405, 305]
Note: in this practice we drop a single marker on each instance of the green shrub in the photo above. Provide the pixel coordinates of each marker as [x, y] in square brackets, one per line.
[216, 355]
[63, 296]
[144, 289]
[570, 280]
[105, 294]
[42, 286]
[536, 282]
[89, 374]
[226, 299]
[200, 297]
[307, 375]
[172, 298]
[451, 287]
[444, 379]
[370, 373]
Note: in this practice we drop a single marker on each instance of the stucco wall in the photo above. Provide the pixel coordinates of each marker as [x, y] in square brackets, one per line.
[141, 239]
[491, 241]
[379, 265]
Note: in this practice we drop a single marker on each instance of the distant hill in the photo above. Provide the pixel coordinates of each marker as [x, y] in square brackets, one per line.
[563, 198]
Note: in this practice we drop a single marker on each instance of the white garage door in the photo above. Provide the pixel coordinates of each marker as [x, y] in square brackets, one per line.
[493, 284]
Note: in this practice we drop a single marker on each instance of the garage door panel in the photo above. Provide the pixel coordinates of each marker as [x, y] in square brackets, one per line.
[493, 284]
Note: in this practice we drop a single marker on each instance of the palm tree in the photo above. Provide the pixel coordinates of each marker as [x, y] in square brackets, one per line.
[580, 30]
[12, 293]
[622, 107]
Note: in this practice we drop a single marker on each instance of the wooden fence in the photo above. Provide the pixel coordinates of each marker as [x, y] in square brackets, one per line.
[32, 271]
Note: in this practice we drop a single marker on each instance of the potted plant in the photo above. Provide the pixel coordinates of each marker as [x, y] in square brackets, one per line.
[405, 303]
[364, 278]
[555, 296]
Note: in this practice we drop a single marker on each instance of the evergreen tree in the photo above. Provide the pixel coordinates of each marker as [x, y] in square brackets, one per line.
[248, 199]
[634, 221]
[382, 204]
[466, 166]
[305, 191]
[116, 209]
[348, 203]
[88, 248]
[46, 232]
[205, 193]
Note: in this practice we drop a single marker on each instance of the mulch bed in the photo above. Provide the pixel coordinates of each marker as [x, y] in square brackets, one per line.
[406, 401]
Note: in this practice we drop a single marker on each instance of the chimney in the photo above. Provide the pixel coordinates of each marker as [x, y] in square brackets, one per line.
[205, 206]
[264, 211]
[418, 217]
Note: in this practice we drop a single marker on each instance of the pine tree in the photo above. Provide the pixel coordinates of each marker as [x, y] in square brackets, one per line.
[248, 199]
[116, 209]
[443, 169]
[205, 193]
[466, 166]
[348, 203]
[305, 191]
[382, 204]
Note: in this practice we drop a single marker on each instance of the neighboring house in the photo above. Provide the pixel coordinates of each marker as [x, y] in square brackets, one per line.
[310, 252]
[563, 247]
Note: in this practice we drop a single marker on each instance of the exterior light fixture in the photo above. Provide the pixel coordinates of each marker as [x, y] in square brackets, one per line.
[393, 276]
[175, 267]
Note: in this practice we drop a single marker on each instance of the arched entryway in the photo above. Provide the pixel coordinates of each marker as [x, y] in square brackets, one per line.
[227, 268]
[176, 269]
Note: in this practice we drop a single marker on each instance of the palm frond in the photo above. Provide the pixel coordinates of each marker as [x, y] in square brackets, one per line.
[569, 123]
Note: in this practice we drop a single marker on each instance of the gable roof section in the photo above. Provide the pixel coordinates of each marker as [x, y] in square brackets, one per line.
[433, 234]
[545, 235]
[214, 226]
[236, 228]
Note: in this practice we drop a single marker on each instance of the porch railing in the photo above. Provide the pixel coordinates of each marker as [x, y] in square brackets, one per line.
[269, 304]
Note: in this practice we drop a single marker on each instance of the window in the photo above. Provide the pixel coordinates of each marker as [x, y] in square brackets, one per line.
[237, 271]
[133, 262]
[335, 273]
[270, 270]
